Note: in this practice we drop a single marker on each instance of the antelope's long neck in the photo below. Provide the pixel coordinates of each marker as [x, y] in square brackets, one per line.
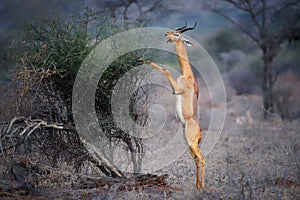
[183, 59]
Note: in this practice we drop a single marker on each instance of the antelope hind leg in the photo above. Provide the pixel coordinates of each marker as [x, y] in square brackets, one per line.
[200, 165]
[193, 136]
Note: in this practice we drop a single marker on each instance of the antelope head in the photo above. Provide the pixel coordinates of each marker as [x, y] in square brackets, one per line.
[175, 36]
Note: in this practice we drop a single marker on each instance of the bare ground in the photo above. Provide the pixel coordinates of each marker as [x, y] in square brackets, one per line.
[257, 161]
[250, 161]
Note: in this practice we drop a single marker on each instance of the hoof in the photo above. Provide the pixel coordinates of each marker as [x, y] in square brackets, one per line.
[199, 186]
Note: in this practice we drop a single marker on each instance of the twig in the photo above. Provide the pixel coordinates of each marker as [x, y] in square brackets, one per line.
[1, 147]
[275, 190]
[27, 127]
[270, 113]
[12, 122]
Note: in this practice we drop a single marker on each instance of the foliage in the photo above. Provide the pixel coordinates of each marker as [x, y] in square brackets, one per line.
[48, 55]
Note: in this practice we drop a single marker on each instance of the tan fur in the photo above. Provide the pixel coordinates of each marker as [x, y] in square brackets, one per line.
[186, 86]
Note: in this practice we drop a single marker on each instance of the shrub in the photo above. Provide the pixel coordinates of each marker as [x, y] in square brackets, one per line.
[48, 55]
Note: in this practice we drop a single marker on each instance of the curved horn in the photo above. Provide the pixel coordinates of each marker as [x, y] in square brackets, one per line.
[187, 29]
[179, 29]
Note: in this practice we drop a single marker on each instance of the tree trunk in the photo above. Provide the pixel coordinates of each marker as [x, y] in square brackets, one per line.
[268, 101]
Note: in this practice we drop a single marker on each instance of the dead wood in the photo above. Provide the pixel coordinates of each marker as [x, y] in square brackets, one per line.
[29, 175]
[128, 183]
[55, 139]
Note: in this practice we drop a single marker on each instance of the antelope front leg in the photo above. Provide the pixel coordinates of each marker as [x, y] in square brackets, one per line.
[175, 86]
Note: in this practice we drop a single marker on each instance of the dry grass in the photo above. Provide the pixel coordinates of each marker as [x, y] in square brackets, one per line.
[257, 161]
[260, 161]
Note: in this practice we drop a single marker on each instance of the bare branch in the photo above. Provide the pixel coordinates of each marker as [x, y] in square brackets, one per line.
[254, 16]
[263, 13]
[237, 24]
[15, 119]
[248, 7]
[238, 5]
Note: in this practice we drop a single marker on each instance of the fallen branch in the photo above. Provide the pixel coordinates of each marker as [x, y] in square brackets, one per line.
[29, 126]
[20, 129]
[131, 182]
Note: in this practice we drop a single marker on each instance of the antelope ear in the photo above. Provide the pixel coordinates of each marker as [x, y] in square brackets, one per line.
[187, 42]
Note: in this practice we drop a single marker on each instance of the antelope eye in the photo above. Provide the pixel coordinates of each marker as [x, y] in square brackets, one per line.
[176, 34]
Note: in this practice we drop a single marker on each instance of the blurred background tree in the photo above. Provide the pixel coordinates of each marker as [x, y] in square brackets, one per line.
[265, 23]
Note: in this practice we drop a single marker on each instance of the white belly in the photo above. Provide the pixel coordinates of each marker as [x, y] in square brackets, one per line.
[179, 109]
